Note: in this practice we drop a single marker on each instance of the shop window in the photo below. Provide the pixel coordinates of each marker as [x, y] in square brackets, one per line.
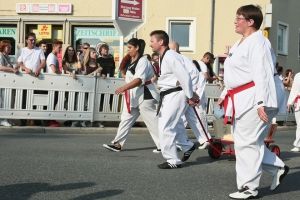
[282, 38]
[10, 33]
[96, 36]
[183, 32]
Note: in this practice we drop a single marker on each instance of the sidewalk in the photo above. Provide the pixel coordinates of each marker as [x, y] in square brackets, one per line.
[110, 128]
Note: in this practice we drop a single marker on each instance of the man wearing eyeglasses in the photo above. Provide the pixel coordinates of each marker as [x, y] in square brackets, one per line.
[84, 47]
[32, 60]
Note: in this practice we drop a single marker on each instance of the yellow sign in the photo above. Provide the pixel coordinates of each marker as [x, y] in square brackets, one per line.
[44, 31]
[266, 33]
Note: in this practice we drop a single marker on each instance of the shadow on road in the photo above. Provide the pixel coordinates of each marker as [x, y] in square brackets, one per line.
[99, 195]
[24, 191]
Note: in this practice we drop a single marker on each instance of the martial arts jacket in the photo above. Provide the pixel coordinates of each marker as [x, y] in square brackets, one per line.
[198, 79]
[295, 91]
[280, 91]
[247, 62]
[143, 71]
[173, 70]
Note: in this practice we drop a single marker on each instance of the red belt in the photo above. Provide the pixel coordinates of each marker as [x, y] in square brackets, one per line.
[127, 96]
[231, 93]
[296, 101]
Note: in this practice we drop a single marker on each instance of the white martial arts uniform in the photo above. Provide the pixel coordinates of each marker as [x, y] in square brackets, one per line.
[280, 91]
[174, 105]
[198, 81]
[147, 108]
[295, 91]
[247, 62]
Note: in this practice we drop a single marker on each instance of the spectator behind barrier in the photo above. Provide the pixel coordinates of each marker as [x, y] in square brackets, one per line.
[106, 61]
[7, 66]
[288, 80]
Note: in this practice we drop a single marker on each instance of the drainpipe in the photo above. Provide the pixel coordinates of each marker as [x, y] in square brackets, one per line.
[211, 41]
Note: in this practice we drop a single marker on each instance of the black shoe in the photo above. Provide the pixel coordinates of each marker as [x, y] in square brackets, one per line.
[188, 153]
[137, 125]
[23, 122]
[37, 122]
[112, 147]
[167, 165]
[68, 123]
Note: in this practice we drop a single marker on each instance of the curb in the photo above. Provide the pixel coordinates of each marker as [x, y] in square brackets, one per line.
[93, 130]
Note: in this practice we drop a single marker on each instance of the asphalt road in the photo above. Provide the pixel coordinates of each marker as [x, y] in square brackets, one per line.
[77, 167]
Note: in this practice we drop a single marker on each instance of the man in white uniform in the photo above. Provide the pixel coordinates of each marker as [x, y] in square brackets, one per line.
[32, 60]
[294, 99]
[198, 86]
[250, 99]
[174, 100]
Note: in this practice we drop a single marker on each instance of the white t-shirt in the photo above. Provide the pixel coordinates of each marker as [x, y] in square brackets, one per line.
[203, 66]
[51, 60]
[31, 58]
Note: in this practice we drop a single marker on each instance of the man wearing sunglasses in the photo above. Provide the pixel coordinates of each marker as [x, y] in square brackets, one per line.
[32, 60]
[84, 47]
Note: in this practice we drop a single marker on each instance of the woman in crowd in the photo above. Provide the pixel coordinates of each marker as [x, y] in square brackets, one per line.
[6, 65]
[71, 66]
[250, 99]
[141, 96]
[90, 67]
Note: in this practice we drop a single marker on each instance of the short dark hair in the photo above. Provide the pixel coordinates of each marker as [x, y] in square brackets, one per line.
[154, 54]
[56, 42]
[161, 35]
[280, 69]
[29, 34]
[103, 46]
[252, 12]
[209, 54]
[42, 42]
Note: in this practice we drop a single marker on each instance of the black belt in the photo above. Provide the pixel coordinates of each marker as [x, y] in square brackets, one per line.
[164, 93]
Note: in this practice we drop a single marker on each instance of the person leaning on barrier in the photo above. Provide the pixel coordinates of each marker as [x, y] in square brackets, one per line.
[32, 60]
[7, 66]
[141, 96]
[52, 67]
[90, 67]
[70, 66]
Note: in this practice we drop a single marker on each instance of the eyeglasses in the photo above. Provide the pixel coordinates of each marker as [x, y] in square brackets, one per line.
[31, 40]
[240, 18]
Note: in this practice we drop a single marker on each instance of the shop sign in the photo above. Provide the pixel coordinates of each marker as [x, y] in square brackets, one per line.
[7, 32]
[51, 8]
[44, 31]
[130, 9]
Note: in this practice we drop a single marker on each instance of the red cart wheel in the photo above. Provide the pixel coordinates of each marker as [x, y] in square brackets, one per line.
[275, 149]
[213, 153]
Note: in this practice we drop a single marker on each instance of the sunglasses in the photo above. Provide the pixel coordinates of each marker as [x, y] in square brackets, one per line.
[85, 48]
[31, 40]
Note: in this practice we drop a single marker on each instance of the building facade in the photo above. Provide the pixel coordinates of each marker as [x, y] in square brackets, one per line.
[198, 25]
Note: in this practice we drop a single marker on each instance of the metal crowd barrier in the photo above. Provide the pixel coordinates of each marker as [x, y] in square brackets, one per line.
[89, 98]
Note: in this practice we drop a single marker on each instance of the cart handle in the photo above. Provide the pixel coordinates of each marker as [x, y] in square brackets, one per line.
[217, 150]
